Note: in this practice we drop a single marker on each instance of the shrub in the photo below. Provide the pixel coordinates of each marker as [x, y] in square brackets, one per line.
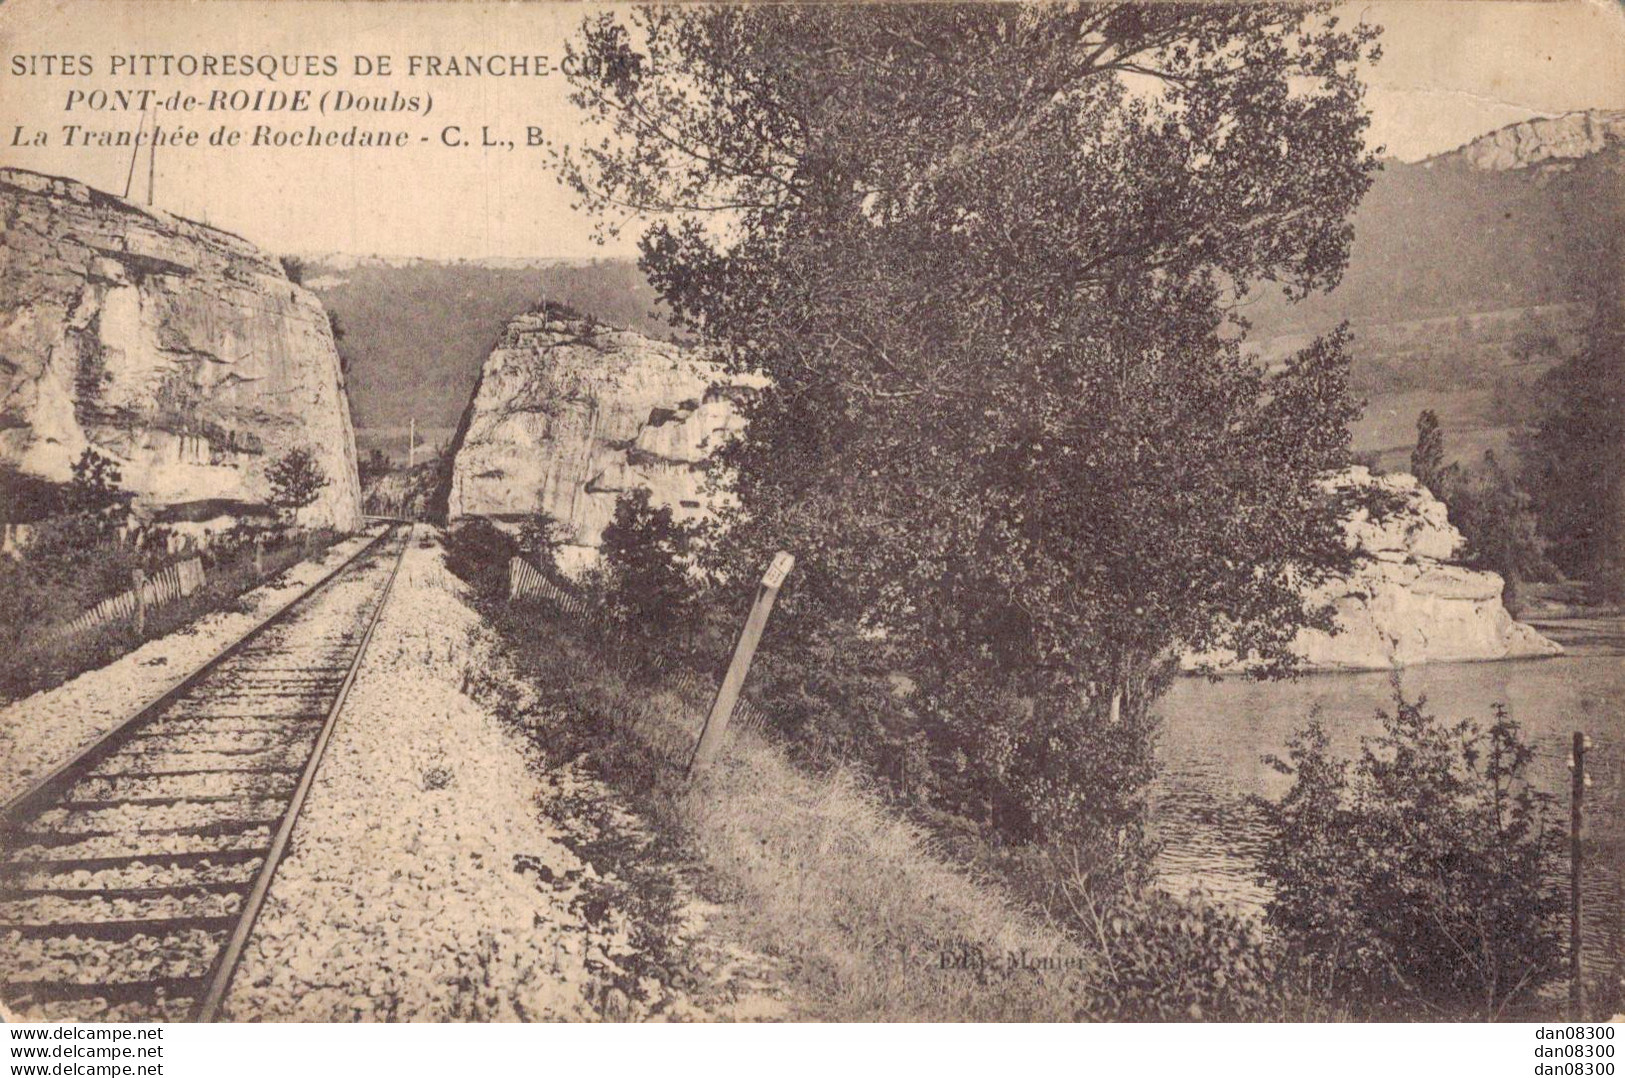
[95, 484]
[1162, 958]
[25, 497]
[541, 534]
[296, 480]
[646, 578]
[478, 551]
[374, 466]
[1427, 459]
[1417, 875]
[29, 600]
[1369, 459]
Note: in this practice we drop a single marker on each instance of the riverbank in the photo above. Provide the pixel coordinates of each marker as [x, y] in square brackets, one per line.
[1565, 613]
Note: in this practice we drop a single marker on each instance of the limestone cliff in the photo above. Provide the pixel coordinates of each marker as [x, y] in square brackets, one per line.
[569, 413]
[180, 351]
[1543, 140]
[1406, 602]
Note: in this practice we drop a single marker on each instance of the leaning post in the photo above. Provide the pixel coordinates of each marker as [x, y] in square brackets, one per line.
[716, 723]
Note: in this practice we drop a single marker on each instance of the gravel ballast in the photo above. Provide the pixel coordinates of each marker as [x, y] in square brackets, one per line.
[423, 882]
[45, 730]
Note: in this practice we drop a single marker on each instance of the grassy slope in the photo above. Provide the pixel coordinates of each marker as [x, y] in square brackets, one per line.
[854, 902]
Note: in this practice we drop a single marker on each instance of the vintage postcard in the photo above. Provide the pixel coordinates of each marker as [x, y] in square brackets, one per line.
[950, 512]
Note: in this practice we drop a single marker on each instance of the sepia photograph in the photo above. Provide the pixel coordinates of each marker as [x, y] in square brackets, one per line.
[946, 512]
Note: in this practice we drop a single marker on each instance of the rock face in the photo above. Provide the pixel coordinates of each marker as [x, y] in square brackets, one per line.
[181, 352]
[1544, 139]
[1405, 603]
[568, 414]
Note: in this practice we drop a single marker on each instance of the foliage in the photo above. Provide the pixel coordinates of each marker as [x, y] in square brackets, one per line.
[1369, 459]
[293, 268]
[1417, 874]
[337, 329]
[646, 577]
[541, 536]
[58, 580]
[1009, 427]
[1490, 509]
[1427, 459]
[374, 466]
[95, 483]
[1164, 958]
[478, 551]
[1573, 462]
[296, 479]
[74, 548]
[26, 497]
[1497, 518]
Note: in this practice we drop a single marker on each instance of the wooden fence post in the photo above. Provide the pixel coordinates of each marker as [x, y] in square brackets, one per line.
[138, 580]
[1577, 785]
[716, 723]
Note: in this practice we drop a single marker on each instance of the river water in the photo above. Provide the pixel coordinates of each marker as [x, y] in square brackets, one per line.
[1215, 736]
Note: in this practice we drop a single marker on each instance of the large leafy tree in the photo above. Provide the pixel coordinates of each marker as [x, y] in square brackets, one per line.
[1574, 458]
[992, 259]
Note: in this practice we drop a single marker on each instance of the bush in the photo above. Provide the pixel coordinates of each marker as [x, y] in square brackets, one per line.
[1170, 959]
[25, 497]
[95, 484]
[296, 479]
[1496, 516]
[374, 466]
[478, 551]
[646, 579]
[541, 534]
[1417, 875]
[58, 579]
[1427, 459]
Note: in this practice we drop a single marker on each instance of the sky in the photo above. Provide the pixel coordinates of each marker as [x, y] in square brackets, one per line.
[1452, 70]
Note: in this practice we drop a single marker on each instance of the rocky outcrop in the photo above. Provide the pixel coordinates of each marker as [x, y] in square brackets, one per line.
[569, 414]
[1406, 602]
[1542, 140]
[180, 351]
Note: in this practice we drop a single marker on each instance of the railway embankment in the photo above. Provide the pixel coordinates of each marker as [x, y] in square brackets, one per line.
[41, 731]
[443, 869]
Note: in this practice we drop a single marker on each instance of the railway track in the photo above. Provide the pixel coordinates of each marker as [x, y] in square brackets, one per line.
[130, 878]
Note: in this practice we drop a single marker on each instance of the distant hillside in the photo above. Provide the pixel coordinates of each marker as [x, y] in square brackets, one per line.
[416, 332]
[1470, 275]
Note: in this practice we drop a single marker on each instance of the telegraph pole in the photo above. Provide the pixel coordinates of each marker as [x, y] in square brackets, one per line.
[135, 152]
[412, 444]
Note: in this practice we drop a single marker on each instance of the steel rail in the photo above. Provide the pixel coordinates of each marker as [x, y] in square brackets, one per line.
[87, 758]
[227, 958]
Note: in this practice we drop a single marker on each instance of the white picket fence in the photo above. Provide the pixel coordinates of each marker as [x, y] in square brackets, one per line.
[164, 586]
[526, 582]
